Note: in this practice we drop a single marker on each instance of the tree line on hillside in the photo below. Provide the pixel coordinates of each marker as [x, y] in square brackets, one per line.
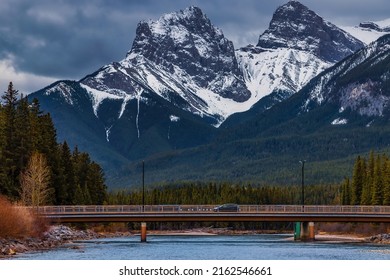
[218, 193]
[200, 193]
[370, 182]
[28, 145]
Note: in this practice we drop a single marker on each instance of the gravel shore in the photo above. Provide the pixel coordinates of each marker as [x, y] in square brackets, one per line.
[383, 238]
[54, 237]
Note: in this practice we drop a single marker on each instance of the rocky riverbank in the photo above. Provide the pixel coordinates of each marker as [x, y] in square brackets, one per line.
[383, 238]
[54, 237]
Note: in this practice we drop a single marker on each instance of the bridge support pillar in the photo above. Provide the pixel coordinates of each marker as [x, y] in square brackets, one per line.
[304, 231]
[297, 231]
[143, 232]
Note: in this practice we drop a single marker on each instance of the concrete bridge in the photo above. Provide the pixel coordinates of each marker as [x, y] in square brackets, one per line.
[303, 216]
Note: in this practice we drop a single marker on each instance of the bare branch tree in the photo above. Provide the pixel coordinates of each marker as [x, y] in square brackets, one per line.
[35, 181]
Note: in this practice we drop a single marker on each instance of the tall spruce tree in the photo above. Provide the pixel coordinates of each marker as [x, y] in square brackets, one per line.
[3, 142]
[386, 180]
[346, 192]
[377, 190]
[69, 182]
[9, 183]
[358, 181]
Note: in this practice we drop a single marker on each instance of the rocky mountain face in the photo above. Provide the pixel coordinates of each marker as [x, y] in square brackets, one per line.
[182, 79]
[360, 83]
[295, 26]
[181, 58]
[354, 93]
[375, 26]
[297, 46]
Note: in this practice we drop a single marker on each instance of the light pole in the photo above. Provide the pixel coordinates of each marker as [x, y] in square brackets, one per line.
[302, 162]
[143, 186]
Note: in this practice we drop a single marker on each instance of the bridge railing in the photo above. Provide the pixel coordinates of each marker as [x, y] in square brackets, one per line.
[210, 209]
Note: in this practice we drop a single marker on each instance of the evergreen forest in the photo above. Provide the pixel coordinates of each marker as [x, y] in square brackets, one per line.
[69, 176]
[370, 181]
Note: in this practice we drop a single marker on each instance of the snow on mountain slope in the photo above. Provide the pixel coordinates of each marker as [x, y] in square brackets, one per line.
[297, 46]
[360, 82]
[369, 32]
[182, 58]
[281, 69]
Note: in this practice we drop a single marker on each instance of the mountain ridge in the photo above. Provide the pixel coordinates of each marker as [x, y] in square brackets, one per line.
[182, 83]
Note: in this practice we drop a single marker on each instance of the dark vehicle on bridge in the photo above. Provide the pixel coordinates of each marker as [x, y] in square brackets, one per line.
[229, 207]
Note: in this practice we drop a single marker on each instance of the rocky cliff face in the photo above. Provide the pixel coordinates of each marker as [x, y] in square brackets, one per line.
[297, 46]
[295, 26]
[359, 84]
[182, 58]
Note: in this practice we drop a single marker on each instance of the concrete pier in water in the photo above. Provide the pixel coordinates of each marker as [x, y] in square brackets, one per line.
[143, 232]
[304, 231]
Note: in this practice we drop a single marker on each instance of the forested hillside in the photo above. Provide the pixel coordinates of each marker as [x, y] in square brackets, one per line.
[370, 182]
[71, 177]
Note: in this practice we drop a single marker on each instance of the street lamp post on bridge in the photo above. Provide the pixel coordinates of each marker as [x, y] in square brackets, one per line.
[302, 162]
[143, 186]
[143, 224]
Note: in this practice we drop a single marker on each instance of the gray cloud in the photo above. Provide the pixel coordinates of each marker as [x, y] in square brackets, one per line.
[70, 39]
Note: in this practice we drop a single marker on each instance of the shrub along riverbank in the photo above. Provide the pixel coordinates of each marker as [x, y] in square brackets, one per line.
[16, 222]
[22, 231]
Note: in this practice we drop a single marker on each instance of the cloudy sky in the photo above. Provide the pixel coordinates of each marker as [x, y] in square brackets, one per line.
[42, 41]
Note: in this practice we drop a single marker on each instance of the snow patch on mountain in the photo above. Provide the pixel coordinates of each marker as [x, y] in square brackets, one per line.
[98, 96]
[365, 35]
[108, 131]
[282, 69]
[64, 90]
[174, 118]
[339, 121]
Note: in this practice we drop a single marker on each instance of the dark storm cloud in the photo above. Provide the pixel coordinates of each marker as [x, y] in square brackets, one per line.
[70, 39]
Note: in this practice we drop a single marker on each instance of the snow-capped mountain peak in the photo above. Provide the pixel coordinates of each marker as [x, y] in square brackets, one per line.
[297, 46]
[295, 26]
[184, 59]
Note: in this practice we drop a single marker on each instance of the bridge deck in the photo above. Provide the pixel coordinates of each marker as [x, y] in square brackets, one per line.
[200, 213]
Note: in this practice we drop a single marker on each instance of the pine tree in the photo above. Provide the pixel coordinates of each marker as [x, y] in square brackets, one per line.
[346, 192]
[3, 142]
[23, 147]
[377, 191]
[79, 196]
[87, 196]
[386, 180]
[9, 183]
[66, 194]
[35, 125]
[357, 181]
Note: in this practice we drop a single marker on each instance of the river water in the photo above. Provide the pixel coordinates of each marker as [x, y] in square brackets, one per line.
[237, 247]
